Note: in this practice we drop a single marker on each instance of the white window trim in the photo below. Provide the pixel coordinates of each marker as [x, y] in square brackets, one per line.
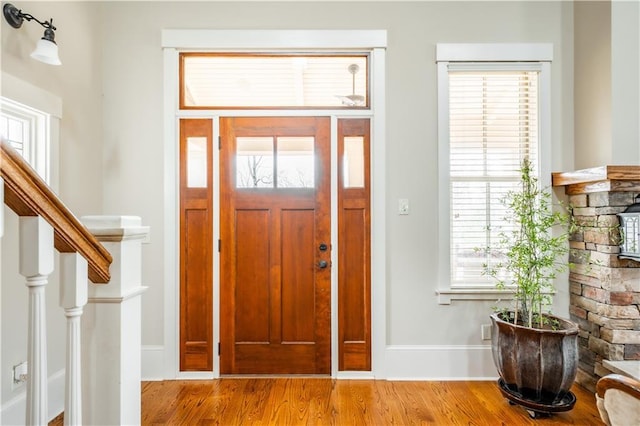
[33, 97]
[373, 41]
[35, 149]
[478, 55]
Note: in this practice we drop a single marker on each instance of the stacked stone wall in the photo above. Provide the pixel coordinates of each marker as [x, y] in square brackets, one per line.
[604, 289]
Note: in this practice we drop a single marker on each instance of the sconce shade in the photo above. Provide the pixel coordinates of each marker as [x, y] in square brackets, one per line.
[47, 52]
[47, 49]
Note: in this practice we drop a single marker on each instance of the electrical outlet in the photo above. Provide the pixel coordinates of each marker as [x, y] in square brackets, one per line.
[20, 372]
[485, 330]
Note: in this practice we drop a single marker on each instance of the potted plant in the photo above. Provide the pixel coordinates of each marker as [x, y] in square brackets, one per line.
[535, 352]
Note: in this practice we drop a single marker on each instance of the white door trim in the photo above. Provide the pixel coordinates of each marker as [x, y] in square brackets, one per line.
[273, 39]
[173, 41]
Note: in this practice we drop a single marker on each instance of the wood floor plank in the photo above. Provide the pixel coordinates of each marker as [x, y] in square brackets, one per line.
[172, 395]
[228, 403]
[413, 403]
[198, 395]
[290, 400]
[350, 400]
[224, 401]
[318, 401]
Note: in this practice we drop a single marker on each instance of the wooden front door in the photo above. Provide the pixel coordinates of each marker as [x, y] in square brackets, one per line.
[275, 251]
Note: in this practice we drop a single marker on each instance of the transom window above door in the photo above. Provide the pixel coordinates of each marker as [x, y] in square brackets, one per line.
[273, 81]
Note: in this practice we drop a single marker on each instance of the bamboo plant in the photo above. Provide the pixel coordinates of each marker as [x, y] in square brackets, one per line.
[532, 254]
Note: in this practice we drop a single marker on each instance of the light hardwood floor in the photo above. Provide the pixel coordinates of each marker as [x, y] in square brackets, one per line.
[317, 401]
[295, 401]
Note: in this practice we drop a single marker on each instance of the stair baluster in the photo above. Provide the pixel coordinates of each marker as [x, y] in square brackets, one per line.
[36, 264]
[73, 298]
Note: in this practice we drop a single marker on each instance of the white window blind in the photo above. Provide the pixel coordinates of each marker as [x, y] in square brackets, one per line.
[493, 125]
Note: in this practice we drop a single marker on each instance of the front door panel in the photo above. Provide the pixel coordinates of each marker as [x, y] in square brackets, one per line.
[275, 231]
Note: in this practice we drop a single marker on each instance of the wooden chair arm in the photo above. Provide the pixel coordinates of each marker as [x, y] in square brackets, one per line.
[617, 381]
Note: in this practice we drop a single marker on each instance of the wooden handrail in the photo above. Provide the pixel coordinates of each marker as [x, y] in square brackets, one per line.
[28, 195]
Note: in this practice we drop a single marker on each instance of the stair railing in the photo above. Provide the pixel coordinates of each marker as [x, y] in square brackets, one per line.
[45, 224]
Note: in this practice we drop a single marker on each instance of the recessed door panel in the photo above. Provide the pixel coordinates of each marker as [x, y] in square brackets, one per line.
[298, 270]
[252, 283]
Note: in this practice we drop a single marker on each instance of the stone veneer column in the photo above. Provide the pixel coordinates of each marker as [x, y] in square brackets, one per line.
[604, 290]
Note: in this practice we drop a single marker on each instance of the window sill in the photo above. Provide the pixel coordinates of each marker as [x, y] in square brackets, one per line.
[445, 296]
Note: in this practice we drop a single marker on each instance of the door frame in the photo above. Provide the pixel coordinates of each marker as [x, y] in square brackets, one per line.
[163, 361]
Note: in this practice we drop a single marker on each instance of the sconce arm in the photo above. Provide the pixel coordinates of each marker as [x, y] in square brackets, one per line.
[15, 17]
[46, 24]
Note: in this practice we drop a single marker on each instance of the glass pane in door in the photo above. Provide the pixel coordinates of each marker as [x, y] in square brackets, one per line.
[197, 162]
[254, 162]
[296, 162]
[353, 163]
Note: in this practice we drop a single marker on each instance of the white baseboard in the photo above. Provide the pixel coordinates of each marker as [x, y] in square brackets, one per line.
[403, 362]
[14, 411]
[423, 362]
[153, 368]
[152, 363]
[355, 375]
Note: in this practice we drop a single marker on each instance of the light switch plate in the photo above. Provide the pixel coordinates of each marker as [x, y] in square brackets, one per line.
[403, 206]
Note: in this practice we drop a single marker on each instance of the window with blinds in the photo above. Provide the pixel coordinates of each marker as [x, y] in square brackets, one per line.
[493, 125]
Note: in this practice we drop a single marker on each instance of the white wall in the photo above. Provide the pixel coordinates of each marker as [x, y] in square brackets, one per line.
[133, 172]
[78, 81]
[607, 83]
[625, 81]
[593, 83]
[78, 179]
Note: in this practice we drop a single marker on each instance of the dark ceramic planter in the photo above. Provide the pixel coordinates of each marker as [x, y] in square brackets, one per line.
[536, 365]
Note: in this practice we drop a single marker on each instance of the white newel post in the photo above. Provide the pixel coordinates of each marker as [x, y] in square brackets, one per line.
[35, 264]
[111, 326]
[73, 297]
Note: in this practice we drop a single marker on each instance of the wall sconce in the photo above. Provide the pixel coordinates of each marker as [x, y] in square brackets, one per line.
[46, 49]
